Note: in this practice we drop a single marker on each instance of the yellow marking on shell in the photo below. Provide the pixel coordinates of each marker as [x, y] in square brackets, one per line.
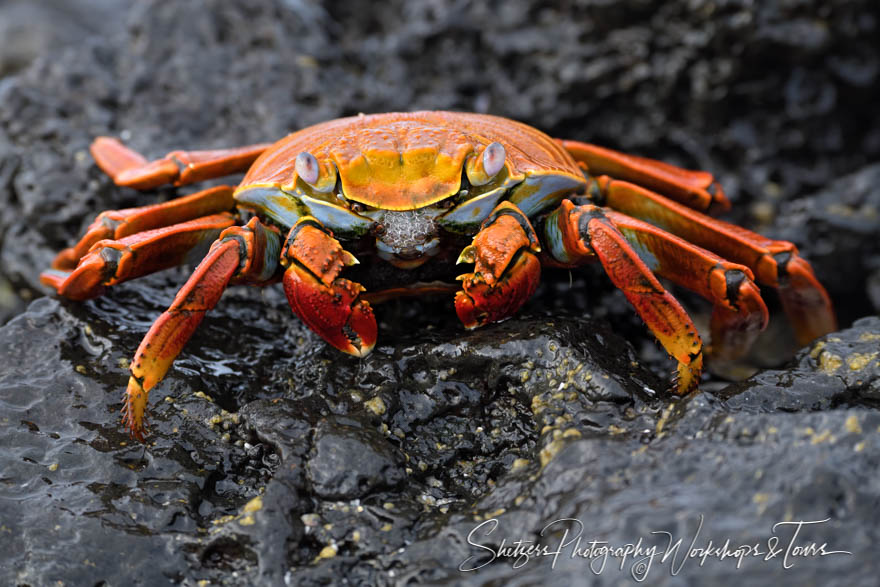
[397, 181]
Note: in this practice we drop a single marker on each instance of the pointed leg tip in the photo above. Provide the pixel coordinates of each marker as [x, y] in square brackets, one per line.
[138, 433]
[135, 402]
[807, 303]
[105, 141]
[83, 283]
[687, 378]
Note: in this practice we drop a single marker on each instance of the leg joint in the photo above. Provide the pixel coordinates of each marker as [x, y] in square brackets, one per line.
[782, 259]
[586, 214]
[734, 279]
[301, 224]
[258, 247]
[517, 215]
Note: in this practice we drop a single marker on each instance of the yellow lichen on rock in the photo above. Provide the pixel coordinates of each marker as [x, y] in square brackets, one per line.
[829, 362]
[376, 405]
[328, 551]
[859, 361]
[852, 425]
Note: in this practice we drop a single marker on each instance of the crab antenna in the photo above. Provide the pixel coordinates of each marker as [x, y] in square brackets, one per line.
[307, 167]
[493, 159]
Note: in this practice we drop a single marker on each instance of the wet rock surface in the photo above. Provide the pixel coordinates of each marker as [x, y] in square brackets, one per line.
[274, 459]
[351, 462]
[837, 226]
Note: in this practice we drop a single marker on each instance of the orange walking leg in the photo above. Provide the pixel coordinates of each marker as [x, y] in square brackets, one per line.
[695, 189]
[580, 234]
[242, 254]
[109, 262]
[774, 263]
[115, 224]
[739, 313]
[131, 169]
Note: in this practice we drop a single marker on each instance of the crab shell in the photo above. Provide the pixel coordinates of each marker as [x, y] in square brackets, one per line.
[373, 165]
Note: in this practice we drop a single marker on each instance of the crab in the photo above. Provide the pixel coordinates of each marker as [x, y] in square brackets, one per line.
[406, 197]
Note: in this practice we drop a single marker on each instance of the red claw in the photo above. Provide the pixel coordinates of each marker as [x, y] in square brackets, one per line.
[506, 268]
[479, 303]
[330, 305]
[333, 312]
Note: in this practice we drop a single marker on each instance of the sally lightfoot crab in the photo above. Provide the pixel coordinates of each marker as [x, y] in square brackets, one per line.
[410, 194]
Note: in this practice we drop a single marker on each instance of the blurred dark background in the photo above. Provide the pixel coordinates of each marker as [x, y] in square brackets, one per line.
[32, 28]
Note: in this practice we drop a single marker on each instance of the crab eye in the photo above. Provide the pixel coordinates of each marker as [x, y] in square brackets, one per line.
[447, 203]
[493, 159]
[306, 167]
[357, 207]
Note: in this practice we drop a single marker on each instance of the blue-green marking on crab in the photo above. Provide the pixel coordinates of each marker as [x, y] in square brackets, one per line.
[540, 192]
[343, 222]
[467, 216]
[278, 205]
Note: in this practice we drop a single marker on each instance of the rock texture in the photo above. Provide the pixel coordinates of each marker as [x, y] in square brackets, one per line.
[272, 459]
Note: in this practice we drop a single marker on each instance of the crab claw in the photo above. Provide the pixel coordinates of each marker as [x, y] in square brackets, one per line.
[333, 312]
[506, 268]
[330, 305]
[479, 303]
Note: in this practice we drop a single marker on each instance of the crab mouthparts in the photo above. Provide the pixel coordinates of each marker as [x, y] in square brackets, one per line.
[407, 237]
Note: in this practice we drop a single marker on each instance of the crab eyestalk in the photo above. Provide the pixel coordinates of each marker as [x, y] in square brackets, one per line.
[482, 169]
[328, 304]
[306, 167]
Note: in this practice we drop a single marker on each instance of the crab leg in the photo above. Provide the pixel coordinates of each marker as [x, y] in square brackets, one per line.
[580, 234]
[739, 313]
[695, 189]
[774, 263]
[242, 254]
[131, 169]
[109, 262]
[330, 305]
[506, 268]
[115, 224]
